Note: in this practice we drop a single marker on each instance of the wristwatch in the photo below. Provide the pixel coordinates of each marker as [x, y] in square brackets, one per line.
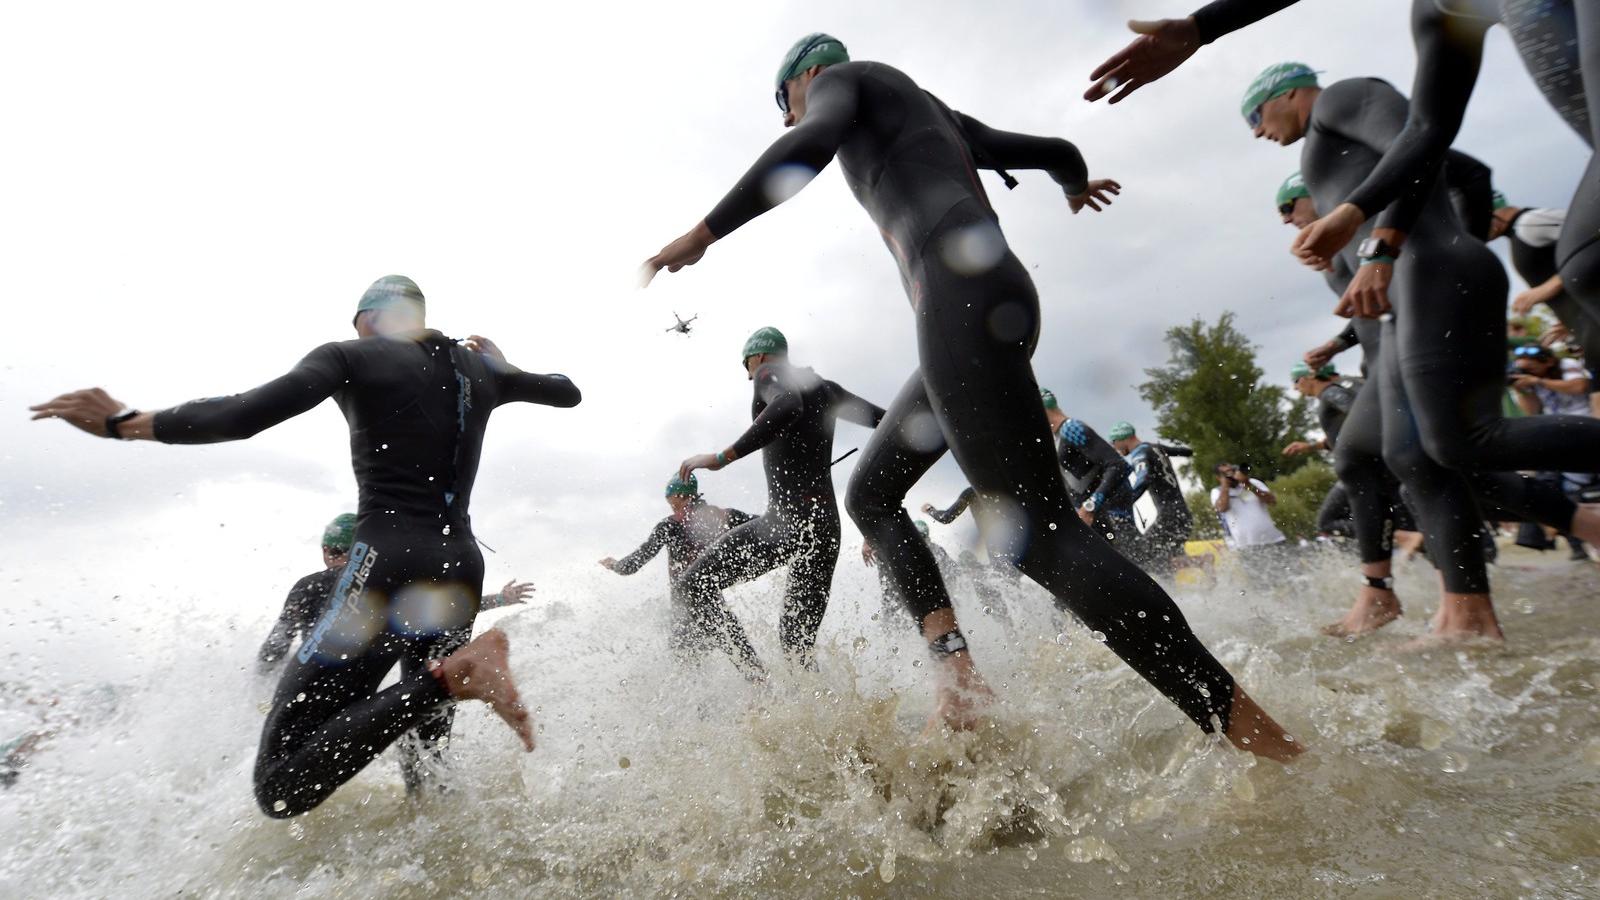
[114, 423]
[1377, 250]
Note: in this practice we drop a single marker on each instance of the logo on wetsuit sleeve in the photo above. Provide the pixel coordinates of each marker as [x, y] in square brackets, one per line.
[346, 597]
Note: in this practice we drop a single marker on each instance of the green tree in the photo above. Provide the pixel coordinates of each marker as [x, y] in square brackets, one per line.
[1210, 396]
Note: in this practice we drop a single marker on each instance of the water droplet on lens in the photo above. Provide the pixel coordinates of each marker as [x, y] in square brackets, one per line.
[1098, 635]
[624, 763]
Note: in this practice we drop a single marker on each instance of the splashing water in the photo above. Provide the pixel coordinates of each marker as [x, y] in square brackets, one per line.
[1450, 773]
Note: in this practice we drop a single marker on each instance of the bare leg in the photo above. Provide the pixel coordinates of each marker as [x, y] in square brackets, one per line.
[961, 693]
[1461, 618]
[1586, 523]
[481, 671]
[1375, 607]
[1250, 728]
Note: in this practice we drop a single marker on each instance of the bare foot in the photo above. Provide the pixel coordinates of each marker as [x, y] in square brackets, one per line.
[1374, 609]
[482, 671]
[1586, 523]
[1250, 728]
[1410, 542]
[961, 698]
[1461, 618]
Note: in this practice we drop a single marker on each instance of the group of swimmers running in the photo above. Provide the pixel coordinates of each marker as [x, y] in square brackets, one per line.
[1429, 416]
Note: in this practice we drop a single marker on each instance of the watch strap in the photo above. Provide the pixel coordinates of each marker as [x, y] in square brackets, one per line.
[114, 423]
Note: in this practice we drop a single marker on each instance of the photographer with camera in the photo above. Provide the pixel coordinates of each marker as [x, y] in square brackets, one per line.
[1241, 502]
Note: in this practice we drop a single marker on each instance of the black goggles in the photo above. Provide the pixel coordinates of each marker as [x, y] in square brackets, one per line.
[783, 98]
[1285, 209]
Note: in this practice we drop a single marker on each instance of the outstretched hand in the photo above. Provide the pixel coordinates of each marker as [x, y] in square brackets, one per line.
[869, 554]
[1097, 195]
[685, 251]
[515, 592]
[1296, 448]
[480, 344]
[1317, 243]
[706, 461]
[1162, 45]
[84, 410]
[1321, 355]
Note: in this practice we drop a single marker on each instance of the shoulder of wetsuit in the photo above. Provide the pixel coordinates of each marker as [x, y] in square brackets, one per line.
[1346, 96]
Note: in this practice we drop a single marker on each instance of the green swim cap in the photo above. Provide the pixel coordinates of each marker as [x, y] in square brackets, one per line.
[390, 291]
[1300, 370]
[812, 50]
[340, 533]
[1120, 431]
[764, 340]
[922, 528]
[1048, 398]
[683, 487]
[1276, 81]
[1292, 189]
[1500, 201]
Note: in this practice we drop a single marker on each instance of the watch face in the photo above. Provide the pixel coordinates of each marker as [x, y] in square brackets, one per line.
[1369, 247]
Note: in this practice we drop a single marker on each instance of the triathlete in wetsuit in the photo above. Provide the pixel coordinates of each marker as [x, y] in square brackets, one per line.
[308, 599]
[1444, 348]
[794, 411]
[417, 403]
[692, 527]
[912, 163]
[1559, 41]
[1103, 498]
[1334, 396]
[1152, 475]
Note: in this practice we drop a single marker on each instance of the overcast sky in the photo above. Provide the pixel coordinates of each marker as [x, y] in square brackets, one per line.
[196, 194]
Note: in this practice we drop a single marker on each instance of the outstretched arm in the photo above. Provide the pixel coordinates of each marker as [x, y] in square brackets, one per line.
[1010, 150]
[808, 148]
[946, 516]
[216, 419]
[1164, 44]
[852, 408]
[783, 406]
[517, 386]
[996, 149]
[647, 551]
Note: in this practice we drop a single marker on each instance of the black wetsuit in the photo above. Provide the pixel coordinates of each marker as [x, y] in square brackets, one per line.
[1093, 462]
[794, 411]
[417, 409]
[946, 516]
[684, 542]
[301, 609]
[1152, 474]
[894, 606]
[1441, 358]
[1333, 406]
[907, 159]
[1559, 41]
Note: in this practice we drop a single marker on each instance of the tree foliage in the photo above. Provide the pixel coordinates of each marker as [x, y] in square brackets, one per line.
[1210, 396]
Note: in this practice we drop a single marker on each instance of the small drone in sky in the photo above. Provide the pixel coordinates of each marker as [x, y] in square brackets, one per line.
[683, 324]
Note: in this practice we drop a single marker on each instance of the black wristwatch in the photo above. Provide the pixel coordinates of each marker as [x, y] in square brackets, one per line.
[952, 641]
[1376, 248]
[114, 423]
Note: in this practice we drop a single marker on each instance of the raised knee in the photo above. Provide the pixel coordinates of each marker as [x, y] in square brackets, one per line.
[866, 505]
